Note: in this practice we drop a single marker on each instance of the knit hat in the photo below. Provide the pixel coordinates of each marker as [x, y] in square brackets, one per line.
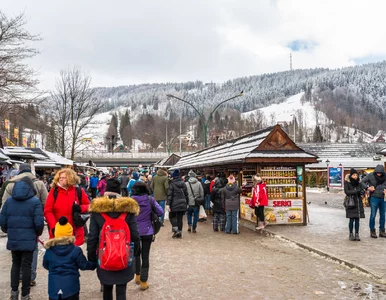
[176, 173]
[192, 174]
[140, 188]
[63, 228]
[113, 185]
[231, 179]
[135, 176]
[353, 171]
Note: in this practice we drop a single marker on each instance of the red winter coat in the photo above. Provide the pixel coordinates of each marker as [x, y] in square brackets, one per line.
[53, 210]
[259, 195]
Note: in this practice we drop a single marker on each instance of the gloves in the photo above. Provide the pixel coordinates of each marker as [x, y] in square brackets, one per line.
[76, 208]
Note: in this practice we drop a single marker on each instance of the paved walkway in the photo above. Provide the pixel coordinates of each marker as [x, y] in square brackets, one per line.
[328, 233]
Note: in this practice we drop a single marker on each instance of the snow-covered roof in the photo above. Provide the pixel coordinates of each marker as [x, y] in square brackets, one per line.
[168, 161]
[22, 152]
[47, 164]
[237, 150]
[355, 150]
[3, 157]
[58, 159]
[360, 163]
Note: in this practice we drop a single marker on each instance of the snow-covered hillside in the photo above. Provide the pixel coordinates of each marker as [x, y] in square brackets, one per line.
[307, 117]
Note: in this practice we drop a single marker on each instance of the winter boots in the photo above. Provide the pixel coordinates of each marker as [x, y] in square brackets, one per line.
[189, 228]
[143, 285]
[27, 297]
[382, 233]
[373, 234]
[14, 295]
[357, 237]
[351, 237]
[137, 280]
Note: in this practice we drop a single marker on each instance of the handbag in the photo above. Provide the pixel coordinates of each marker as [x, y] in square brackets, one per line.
[349, 201]
[197, 201]
[79, 219]
[155, 221]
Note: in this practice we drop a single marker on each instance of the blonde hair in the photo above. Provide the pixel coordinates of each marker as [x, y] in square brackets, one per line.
[72, 178]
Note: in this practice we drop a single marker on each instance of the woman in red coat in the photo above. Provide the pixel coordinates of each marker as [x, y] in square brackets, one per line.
[259, 200]
[66, 202]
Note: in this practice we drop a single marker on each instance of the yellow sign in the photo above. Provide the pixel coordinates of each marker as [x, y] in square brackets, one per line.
[16, 132]
[32, 145]
[9, 142]
[24, 141]
[6, 124]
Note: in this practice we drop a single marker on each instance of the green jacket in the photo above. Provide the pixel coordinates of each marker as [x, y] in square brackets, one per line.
[160, 185]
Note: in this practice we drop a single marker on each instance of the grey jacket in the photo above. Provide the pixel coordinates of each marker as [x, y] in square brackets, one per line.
[379, 184]
[197, 188]
[231, 196]
[41, 191]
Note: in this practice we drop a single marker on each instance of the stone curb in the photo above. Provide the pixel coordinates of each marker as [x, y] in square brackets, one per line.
[269, 233]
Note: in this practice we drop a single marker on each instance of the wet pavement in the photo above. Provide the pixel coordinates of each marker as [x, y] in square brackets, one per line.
[213, 265]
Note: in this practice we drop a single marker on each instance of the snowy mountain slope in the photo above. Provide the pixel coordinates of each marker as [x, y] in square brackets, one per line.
[307, 117]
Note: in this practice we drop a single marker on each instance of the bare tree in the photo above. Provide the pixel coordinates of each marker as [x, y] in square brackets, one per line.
[75, 107]
[17, 81]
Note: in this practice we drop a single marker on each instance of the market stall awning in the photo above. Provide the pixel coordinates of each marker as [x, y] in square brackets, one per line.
[168, 161]
[58, 159]
[21, 153]
[260, 146]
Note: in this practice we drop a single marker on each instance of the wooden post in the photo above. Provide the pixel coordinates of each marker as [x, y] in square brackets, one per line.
[304, 196]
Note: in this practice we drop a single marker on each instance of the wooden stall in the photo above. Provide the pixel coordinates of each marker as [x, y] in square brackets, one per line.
[271, 154]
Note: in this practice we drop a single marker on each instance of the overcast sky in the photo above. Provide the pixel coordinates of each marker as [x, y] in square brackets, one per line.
[127, 42]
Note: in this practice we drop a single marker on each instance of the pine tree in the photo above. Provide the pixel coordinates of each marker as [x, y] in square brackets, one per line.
[317, 137]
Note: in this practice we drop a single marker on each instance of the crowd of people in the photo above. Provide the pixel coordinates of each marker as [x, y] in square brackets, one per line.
[123, 204]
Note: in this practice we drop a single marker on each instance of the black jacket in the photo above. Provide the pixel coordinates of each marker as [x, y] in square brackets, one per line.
[356, 192]
[206, 186]
[216, 196]
[113, 208]
[124, 181]
[178, 198]
[379, 184]
[231, 196]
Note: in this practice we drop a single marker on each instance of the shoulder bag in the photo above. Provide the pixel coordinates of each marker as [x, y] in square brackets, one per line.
[197, 202]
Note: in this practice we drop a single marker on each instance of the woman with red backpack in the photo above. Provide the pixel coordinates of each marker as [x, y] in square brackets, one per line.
[113, 229]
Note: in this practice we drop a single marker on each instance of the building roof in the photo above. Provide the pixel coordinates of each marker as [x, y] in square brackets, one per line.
[21, 152]
[355, 150]
[168, 161]
[58, 159]
[3, 157]
[271, 142]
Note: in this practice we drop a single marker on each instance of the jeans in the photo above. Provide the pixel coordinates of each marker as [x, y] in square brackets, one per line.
[21, 260]
[193, 211]
[232, 221]
[120, 291]
[351, 225]
[142, 268]
[162, 204]
[73, 297]
[207, 202]
[176, 219]
[376, 203]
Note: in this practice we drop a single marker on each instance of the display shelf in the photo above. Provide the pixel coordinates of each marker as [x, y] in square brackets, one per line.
[278, 177]
[280, 185]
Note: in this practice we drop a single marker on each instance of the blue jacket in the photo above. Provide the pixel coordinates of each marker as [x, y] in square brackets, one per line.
[22, 218]
[63, 260]
[130, 185]
[93, 182]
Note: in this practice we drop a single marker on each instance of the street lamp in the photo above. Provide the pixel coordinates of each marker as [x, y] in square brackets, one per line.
[201, 115]
[327, 163]
[294, 119]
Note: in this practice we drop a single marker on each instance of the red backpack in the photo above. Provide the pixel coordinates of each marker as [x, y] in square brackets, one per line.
[114, 253]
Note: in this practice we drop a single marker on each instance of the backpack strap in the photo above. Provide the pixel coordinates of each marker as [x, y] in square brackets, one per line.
[56, 192]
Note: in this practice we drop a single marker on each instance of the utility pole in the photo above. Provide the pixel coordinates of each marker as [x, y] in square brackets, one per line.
[204, 121]
[180, 135]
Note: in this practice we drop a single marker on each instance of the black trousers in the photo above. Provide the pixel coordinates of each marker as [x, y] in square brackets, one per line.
[124, 192]
[93, 193]
[259, 212]
[120, 292]
[143, 251]
[73, 297]
[21, 261]
[176, 218]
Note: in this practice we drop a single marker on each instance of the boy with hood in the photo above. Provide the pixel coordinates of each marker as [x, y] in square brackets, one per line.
[63, 260]
[133, 180]
[231, 201]
[195, 191]
[22, 218]
[375, 183]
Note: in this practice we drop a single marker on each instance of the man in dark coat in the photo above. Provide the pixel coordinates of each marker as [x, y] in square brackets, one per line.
[375, 183]
[22, 218]
[124, 182]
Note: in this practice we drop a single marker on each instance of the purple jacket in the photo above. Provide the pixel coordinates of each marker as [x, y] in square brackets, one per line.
[144, 218]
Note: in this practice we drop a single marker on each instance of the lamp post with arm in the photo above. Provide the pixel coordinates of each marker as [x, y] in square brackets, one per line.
[327, 163]
[204, 121]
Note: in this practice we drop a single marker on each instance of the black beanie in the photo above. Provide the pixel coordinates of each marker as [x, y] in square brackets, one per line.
[113, 185]
[353, 171]
[140, 188]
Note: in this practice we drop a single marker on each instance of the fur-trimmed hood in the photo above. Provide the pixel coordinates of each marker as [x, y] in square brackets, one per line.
[66, 240]
[122, 205]
[347, 178]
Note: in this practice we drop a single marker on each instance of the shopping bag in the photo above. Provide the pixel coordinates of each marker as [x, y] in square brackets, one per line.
[166, 214]
[202, 214]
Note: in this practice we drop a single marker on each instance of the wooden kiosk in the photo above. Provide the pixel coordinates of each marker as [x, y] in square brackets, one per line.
[273, 155]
